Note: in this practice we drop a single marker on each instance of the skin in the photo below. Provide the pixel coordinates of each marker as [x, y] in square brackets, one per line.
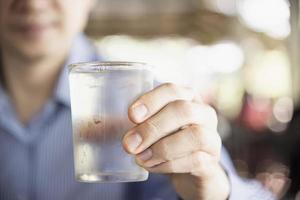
[175, 133]
[35, 38]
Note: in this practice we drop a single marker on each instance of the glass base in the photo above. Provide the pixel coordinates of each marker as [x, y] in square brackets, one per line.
[111, 177]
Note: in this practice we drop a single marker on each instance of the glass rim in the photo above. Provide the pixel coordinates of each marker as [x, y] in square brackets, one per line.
[98, 66]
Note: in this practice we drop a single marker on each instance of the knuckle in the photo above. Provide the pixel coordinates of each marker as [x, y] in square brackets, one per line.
[171, 86]
[184, 108]
[195, 130]
[163, 151]
[149, 129]
[171, 167]
[173, 89]
[197, 161]
[195, 134]
[179, 91]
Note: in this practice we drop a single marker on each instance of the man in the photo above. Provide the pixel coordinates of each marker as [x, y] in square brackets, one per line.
[175, 133]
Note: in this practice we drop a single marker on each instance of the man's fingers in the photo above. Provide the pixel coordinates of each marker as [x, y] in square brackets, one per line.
[199, 163]
[186, 141]
[169, 120]
[153, 101]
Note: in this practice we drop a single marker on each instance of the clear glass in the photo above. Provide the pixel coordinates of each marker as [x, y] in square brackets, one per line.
[100, 95]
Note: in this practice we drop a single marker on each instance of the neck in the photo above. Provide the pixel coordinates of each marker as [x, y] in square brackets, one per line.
[30, 82]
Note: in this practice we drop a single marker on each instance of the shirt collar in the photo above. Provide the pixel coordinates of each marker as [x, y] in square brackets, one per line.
[82, 51]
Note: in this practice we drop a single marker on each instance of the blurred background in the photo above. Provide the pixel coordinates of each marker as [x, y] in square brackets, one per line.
[240, 55]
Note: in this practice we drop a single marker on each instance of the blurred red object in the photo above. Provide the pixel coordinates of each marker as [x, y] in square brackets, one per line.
[255, 113]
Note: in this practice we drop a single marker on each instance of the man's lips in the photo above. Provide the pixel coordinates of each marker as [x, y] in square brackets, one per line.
[34, 27]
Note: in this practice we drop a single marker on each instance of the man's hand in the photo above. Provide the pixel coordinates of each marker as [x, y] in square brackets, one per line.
[176, 134]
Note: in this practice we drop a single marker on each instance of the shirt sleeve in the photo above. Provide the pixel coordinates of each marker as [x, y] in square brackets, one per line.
[243, 188]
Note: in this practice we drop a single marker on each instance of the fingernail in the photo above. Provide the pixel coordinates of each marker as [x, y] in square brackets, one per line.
[140, 112]
[145, 155]
[133, 141]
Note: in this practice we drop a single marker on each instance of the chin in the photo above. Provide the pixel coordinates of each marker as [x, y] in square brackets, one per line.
[33, 51]
[35, 54]
[36, 48]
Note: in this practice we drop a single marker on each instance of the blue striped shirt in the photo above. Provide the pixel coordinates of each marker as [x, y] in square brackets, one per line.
[36, 159]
